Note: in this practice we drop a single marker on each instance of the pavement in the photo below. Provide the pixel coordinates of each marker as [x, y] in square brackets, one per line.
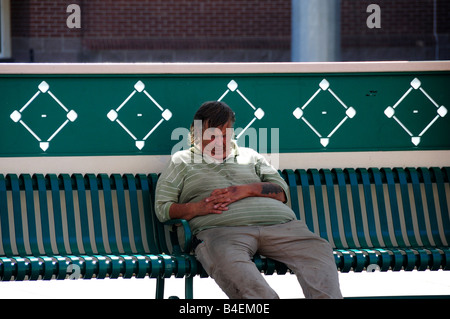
[403, 283]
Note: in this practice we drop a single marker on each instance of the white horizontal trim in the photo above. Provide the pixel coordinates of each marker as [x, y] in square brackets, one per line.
[365, 159]
[222, 68]
[156, 163]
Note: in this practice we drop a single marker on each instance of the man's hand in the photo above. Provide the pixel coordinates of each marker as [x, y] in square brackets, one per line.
[225, 196]
[204, 207]
[220, 198]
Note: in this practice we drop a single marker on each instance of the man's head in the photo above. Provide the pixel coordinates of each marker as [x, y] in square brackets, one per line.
[211, 128]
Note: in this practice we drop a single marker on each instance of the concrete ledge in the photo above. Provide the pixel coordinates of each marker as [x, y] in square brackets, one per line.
[221, 68]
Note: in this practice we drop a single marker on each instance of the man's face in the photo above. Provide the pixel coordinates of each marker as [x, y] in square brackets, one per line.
[216, 141]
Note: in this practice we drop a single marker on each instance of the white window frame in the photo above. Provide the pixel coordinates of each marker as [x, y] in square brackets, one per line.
[5, 29]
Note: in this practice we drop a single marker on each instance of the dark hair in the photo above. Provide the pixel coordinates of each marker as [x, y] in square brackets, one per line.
[213, 114]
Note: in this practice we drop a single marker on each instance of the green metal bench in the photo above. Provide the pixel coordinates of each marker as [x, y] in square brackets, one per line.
[391, 219]
[375, 219]
[98, 226]
[58, 227]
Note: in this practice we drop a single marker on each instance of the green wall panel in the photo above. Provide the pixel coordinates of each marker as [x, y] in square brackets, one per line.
[72, 115]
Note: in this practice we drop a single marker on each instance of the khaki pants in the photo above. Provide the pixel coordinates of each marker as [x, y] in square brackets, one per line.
[226, 252]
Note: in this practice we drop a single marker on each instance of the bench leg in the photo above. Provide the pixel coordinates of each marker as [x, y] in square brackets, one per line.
[159, 288]
[189, 287]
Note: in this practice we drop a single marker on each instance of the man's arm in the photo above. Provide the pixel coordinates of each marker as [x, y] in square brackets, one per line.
[226, 196]
[220, 198]
[190, 210]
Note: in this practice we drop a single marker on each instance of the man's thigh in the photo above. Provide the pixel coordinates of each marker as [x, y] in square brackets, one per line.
[226, 255]
[224, 246]
[293, 241]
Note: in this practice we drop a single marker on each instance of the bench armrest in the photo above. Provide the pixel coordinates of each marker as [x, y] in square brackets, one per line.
[176, 223]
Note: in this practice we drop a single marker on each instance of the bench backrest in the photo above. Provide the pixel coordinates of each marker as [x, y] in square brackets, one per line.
[51, 215]
[364, 208]
[101, 214]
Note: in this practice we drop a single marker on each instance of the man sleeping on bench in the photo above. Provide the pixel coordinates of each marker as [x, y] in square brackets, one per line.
[234, 201]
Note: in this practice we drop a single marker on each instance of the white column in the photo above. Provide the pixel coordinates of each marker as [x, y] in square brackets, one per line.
[316, 29]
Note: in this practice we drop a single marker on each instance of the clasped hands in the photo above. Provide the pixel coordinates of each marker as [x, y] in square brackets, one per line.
[220, 198]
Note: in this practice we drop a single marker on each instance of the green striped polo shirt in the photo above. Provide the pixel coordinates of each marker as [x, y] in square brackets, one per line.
[191, 177]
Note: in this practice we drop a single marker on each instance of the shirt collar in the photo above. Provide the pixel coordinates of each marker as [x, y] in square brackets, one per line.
[196, 149]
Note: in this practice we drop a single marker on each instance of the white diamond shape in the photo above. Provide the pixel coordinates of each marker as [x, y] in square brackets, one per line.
[43, 87]
[259, 113]
[324, 84]
[167, 115]
[351, 112]
[139, 86]
[389, 112]
[298, 113]
[15, 116]
[112, 115]
[415, 83]
[442, 111]
[232, 85]
[72, 115]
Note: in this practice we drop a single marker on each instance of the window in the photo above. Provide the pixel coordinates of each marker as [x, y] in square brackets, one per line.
[5, 29]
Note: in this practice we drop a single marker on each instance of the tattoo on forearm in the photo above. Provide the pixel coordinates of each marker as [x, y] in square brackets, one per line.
[232, 189]
[271, 189]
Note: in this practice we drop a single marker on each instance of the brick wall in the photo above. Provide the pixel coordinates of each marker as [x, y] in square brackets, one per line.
[34, 18]
[406, 30]
[187, 18]
[178, 24]
[399, 16]
[175, 25]
[128, 24]
[410, 18]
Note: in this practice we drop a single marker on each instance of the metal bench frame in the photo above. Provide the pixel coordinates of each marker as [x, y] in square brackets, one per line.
[105, 226]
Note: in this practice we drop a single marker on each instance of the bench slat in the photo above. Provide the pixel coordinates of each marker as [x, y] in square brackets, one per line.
[419, 205]
[357, 208]
[122, 212]
[344, 208]
[369, 210]
[31, 213]
[149, 215]
[306, 196]
[70, 213]
[381, 205]
[96, 213]
[289, 176]
[406, 205]
[83, 215]
[134, 211]
[5, 244]
[57, 213]
[443, 195]
[332, 209]
[107, 200]
[17, 210]
[320, 217]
